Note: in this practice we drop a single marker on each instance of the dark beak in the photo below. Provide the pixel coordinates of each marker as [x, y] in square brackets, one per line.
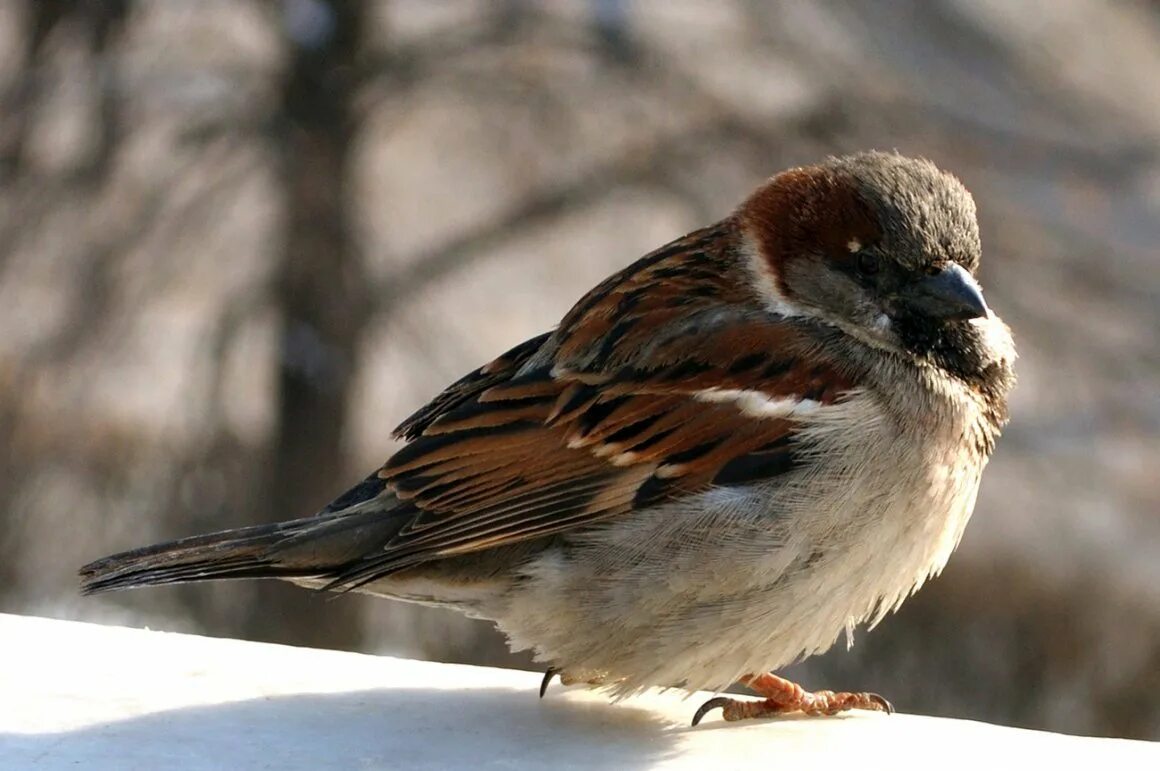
[951, 294]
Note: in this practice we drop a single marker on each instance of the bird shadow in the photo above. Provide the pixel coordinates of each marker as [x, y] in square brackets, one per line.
[374, 729]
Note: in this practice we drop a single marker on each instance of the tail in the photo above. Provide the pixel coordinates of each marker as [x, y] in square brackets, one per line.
[320, 546]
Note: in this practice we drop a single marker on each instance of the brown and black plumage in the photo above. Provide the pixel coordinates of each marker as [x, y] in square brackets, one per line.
[743, 444]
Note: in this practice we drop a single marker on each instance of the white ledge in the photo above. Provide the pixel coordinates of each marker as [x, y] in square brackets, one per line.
[86, 696]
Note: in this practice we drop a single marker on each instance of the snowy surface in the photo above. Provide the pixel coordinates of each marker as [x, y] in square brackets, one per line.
[86, 696]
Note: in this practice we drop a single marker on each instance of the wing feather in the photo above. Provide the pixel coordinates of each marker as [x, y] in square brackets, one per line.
[650, 389]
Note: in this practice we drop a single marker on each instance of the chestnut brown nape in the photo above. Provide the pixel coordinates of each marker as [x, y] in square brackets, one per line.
[810, 210]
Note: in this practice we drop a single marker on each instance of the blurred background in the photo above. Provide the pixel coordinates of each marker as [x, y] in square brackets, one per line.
[241, 240]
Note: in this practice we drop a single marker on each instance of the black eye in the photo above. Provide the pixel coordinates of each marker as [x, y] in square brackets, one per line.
[867, 263]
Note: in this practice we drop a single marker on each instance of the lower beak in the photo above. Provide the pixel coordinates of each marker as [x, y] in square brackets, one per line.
[951, 294]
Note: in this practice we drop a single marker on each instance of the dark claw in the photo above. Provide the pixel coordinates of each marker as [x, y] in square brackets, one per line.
[709, 706]
[552, 672]
[887, 707]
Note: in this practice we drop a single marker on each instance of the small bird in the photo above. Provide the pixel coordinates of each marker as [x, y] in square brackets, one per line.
[751, 440]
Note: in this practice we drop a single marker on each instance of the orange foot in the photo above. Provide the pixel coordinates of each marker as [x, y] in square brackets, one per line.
[783, 696]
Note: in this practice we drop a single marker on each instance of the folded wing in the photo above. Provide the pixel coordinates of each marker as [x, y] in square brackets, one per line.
[598, 420]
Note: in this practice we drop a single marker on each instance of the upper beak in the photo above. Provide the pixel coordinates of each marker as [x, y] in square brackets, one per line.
[951, 294]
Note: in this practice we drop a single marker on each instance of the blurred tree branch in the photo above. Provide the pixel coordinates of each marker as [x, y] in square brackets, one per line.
[102, 22]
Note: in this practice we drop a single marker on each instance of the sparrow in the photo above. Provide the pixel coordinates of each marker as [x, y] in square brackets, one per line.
[743, 445]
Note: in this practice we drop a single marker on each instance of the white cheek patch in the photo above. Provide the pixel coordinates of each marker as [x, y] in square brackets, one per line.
[854, 245]
[765, 282]
[757, 404]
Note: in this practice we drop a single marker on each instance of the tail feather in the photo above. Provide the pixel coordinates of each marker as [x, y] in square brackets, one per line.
[319, 546]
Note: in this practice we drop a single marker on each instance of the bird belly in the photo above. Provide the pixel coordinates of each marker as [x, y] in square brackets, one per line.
[698, 592]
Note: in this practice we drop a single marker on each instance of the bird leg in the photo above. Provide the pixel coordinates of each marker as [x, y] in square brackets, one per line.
[782, 696]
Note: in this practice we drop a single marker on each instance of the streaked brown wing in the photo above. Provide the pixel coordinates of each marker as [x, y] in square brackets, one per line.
[494, 372]
[546, 453]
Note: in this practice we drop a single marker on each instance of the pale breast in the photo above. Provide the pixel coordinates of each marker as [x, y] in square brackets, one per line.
[736, 580]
